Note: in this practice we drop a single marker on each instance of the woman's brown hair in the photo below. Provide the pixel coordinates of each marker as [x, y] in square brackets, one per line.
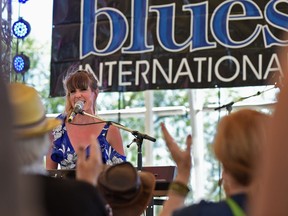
[79, 79]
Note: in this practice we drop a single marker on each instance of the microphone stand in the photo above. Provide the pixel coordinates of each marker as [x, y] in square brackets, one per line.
[139, 137]
[228, 106]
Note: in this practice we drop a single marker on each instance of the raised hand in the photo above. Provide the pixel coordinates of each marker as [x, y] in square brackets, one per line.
[89, 168]
[182, 158]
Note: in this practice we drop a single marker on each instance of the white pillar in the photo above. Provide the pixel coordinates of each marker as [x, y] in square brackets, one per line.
[198, 171]
[149, 130]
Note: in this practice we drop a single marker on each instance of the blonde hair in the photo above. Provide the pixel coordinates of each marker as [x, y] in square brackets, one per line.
[79, 79]
[238, 141]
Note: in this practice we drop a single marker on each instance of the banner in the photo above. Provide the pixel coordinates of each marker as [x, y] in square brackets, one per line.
[135, 45]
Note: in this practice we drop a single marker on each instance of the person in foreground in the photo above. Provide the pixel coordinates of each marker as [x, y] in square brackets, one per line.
[10, 177]
[237, 144]
[272, 196]
[55, 196]
[81, 88]
[127, 191]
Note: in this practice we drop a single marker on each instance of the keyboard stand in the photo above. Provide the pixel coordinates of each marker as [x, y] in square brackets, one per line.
[159, 197]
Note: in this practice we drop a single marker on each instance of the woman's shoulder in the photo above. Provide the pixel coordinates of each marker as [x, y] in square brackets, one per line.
[113, 127]
[62, 116]
[58, 131]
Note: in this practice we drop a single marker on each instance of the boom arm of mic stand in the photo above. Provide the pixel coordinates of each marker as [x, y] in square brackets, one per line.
[138, 137]
[133, 132]
[114, 124]
[143, 136]
[229, 105]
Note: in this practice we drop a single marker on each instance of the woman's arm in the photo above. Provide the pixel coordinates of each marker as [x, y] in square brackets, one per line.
[50, 164]
[115, 139]
[177, 193]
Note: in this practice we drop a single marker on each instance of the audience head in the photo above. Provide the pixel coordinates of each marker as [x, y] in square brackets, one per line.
[9, 187]
[127, 191]
[238, 143]
[31, 126]
[79, 79]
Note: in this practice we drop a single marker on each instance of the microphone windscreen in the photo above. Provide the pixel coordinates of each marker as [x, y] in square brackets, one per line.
[79, 106]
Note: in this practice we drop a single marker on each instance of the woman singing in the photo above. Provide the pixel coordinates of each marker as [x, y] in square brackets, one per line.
[81, 88]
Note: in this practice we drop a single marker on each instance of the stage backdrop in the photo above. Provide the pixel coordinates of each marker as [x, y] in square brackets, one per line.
[134, 45]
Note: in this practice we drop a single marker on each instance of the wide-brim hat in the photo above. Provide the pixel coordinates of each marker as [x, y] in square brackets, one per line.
[125, 189]
[28, 112]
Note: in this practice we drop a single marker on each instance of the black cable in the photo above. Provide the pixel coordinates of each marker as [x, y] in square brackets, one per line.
[79, 124]
[119, 105]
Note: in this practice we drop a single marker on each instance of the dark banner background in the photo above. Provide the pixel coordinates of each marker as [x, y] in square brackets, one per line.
[66, 40]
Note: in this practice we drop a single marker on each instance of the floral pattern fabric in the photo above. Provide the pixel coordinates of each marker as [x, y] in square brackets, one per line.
[64, 153]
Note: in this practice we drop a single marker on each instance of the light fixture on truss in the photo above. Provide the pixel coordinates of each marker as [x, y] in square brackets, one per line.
[21, 28]
[21, 63]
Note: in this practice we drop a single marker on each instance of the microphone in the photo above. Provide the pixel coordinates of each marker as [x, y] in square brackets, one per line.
[78, 108]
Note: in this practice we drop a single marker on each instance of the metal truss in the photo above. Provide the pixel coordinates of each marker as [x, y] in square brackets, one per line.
[6, 40]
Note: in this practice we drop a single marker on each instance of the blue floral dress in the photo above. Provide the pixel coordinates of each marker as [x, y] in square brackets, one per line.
[64, 153]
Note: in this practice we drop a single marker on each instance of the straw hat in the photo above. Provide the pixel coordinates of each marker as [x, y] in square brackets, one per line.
[29, 112]
[127, 191]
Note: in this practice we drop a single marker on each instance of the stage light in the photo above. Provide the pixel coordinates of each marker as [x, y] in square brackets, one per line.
[21, 28]
[22, 1]
[21, 63]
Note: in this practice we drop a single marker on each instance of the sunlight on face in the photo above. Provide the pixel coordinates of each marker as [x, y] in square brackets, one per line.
[86, 95]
